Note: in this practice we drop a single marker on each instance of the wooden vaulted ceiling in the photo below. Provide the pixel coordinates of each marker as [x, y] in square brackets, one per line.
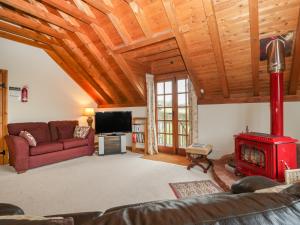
[107, 46]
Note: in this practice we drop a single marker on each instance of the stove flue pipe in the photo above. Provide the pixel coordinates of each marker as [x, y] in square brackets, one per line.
[276, 66]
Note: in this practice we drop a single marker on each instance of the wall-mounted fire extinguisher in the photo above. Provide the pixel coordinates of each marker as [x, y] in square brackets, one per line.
[24, 94]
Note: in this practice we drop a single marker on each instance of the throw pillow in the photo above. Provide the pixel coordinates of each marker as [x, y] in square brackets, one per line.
[81, 132]
[34, 220]
[29, 138]
[65, 132]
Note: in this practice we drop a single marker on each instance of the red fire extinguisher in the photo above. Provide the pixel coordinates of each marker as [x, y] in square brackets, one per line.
[24, 94]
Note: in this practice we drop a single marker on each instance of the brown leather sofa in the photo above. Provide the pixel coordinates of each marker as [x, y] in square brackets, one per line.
[50, 147]
[222, 209]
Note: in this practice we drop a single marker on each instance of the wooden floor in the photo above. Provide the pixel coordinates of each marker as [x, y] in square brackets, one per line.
[175, 159]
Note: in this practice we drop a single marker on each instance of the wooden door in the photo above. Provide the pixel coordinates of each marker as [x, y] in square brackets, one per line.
[3, 117]
[172, 114]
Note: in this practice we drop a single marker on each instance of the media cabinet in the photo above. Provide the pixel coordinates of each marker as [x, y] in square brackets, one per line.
[111, 144]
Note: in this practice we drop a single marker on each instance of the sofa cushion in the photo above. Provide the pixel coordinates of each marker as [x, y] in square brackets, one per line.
[74, 142]
[29, 138]
[65, 132]
[40, 131]
[47, 147]
[53, 125]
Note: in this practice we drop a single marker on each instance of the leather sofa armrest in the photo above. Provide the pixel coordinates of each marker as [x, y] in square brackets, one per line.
[84, 218]
[19, 152]
[8, 209]
[252, 183]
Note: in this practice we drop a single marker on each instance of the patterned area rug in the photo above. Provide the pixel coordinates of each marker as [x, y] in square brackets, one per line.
[194, 188]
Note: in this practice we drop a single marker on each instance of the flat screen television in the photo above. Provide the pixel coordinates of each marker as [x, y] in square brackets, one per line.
[111, 122]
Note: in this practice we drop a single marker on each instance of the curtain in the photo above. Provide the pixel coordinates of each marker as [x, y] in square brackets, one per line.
[193, 114]
[152, 138]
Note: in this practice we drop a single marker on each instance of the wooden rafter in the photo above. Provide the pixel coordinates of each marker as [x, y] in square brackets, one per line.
[36, 12]
[121, 63]
[159, 37]
[170, 11]
[26, 33]
[216, 44]
[13, 17]
[70, 69]
[254, 38]
[23, 40]
[101, 6]
[295, 71]
[121, 29]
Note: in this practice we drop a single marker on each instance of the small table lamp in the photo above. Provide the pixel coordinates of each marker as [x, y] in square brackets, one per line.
[89, 112]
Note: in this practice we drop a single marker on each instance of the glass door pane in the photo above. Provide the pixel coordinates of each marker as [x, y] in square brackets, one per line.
[164, 113]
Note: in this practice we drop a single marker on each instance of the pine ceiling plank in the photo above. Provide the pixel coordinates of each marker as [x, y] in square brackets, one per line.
[158, 37]
[159, 56]
[170, 11]
[36, 12]
[140, 17]
[71, 71]
[23, 40]
[216, 44]
[255, 49]
[295, 71]
[13, 17]
[26, 33]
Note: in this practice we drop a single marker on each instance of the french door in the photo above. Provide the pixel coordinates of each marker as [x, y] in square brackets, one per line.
[172, 114]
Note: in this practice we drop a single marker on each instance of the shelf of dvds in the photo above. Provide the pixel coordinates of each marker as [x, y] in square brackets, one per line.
[139, 134]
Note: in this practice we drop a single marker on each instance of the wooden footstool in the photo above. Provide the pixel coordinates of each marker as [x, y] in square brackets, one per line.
[197, 153]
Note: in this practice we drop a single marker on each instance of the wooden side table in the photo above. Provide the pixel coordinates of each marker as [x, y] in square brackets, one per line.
[197, 153]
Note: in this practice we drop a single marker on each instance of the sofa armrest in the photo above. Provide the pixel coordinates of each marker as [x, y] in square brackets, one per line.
[18, 152]
[84, 218]
[252, 183]
[91, 140]
[8, 209]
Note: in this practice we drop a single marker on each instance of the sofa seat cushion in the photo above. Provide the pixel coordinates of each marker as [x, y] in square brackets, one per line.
[74, 143]
[46, 147]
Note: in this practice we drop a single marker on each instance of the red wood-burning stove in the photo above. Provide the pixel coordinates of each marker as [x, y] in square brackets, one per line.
[268, 154]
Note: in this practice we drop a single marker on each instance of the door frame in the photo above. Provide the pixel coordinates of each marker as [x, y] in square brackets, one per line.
[163, 78]
[4, 100]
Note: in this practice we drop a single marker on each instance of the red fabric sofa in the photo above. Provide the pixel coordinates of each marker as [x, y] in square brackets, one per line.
[50, 148]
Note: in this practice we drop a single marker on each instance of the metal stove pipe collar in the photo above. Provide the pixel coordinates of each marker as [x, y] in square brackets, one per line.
[276, 56]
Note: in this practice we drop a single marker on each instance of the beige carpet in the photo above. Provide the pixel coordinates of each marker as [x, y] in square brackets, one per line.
[92, 183]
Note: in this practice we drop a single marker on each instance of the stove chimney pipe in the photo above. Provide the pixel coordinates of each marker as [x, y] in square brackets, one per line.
[276, 66]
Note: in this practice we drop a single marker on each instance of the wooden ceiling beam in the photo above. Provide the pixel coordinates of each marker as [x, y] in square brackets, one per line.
[170, 12]
[69, 9]
[121, 29]
[295, 70]
[140, 17]
[26, 33]
[216, 44]
[75, 75]
[128, 73]
[159, 56]
[255, 46]
[38, 13]
[101, 6]
[156, 38]
[23, 40]
[13, 17]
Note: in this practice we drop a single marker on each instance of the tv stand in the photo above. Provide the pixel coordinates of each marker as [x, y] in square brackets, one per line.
[112, 144]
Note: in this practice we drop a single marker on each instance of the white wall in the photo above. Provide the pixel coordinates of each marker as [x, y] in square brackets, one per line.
[218, 123]
[135, 111]
[53, 95]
